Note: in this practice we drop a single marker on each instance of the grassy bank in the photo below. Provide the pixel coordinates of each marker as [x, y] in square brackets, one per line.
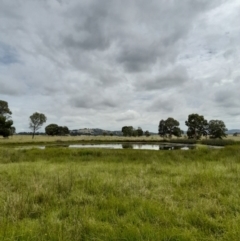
[82, 194]
[45, 140]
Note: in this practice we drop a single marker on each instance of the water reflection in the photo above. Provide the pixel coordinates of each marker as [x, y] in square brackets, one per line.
[59, 145]
[127, 146]
[137, 146]
[167, 147]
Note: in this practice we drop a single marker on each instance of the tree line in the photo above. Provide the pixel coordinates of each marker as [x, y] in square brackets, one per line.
[36, 120]
[197, 125]
[130, 131]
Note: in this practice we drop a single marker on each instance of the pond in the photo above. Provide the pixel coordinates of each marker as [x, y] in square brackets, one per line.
[137, 146]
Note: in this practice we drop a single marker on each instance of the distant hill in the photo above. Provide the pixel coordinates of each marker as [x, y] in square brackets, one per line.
[94, 132]
[98, 132]
[232, 131]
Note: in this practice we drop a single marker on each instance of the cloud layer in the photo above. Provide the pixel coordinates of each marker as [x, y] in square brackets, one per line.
[112, 63]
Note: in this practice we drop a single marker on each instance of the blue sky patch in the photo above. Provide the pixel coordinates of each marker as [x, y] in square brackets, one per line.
[8, 54]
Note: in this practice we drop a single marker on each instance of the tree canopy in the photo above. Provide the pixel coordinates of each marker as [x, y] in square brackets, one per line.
[36, 122]
[63, 130]
[139, 131]
[197, 126]
[216, 129]
[130, 131]
[162, 130]
[169, 127]
[6, 128]
[51, 129]
[147, 133]
[4, 109]
[127, 130]
[54, 129]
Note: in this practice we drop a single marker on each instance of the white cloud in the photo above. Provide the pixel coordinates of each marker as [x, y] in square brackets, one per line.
[128, 115]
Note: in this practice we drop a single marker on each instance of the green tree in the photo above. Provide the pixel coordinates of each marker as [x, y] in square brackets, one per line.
[4, 110]
[5, 126]
[139, 131]
[172, 127]
[177, 132]
[169, 127]
[36, 122]
[63, 130]
[124, 130]
[217, 129]
[134, 133]
[127, 130]
[147, 133]
[52, 129]
[197, 126]
[5, 119]
[162, 130]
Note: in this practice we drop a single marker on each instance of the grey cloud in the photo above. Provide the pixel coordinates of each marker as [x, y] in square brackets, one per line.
[137, 59]
[7, 10]
[140, 39]
[108, 79]
[237, 80]
[93, 101]
[89, 23]
[174, 77]
[162, 105]
[157, 38]
[13, 88]
[89, 42]
[9, 84]
[228, 98]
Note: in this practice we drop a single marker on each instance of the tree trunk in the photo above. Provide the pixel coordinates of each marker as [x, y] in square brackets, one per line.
[33, 133]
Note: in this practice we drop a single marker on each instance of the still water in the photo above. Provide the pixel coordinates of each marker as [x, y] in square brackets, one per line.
[136, 146]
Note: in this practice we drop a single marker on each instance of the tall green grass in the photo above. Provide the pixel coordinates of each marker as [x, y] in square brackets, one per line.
[86, 194]
[219, 142]
[182, 141]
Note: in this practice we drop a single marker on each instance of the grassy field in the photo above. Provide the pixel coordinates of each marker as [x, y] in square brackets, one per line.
[21, 139]
[28, 138]
[88, 194]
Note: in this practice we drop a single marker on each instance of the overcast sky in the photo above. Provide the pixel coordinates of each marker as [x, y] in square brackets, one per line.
[106, 64]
